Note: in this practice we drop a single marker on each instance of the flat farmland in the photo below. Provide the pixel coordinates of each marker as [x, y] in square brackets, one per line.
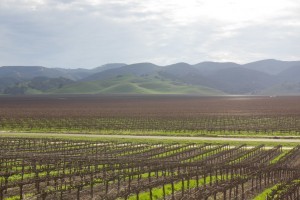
[73, 162]
[147, 115]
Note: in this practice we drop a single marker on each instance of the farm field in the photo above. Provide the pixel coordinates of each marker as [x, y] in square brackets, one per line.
[152, 115]
[36, 168]
[149, 147]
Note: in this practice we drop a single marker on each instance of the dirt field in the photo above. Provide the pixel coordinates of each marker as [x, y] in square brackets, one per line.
[147, 113]
[180, 106]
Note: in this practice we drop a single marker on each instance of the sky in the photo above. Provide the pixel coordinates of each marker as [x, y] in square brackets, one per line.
[90, 33]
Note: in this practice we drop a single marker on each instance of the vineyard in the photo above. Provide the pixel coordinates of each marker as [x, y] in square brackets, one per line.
[161, 114]
[34, 168]
[49, 168]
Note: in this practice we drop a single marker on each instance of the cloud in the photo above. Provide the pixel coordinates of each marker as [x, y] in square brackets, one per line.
[88, 33]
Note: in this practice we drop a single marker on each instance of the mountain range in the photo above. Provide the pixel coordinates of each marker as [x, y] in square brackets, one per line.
[265, 77]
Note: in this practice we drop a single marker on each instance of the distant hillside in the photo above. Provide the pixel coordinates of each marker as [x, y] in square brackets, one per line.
[129, 84]
[207, 68]
[291, 74]
[108, 66]
[239, 80]
[283, 89]
[186, 73]
[28, 72]
[6, 82]
[265, 77]
[37, 85]
[138, 69]
[271, 66]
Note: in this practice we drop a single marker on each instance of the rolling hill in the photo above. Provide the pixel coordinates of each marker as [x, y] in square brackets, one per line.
[207, 78]
[138, 69]
[291, 74]
[237, 80]
[131, 84]
[271, 66]
[207, 68]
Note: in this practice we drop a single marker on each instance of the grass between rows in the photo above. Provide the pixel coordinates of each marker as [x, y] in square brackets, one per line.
[185, 133]
[263, 195]
[89, 137]
[158, 191]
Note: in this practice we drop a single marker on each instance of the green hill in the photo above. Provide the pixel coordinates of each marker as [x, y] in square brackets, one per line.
[266, 77]
[135, 85]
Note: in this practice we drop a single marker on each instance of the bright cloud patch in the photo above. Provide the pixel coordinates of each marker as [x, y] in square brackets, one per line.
[88, 33]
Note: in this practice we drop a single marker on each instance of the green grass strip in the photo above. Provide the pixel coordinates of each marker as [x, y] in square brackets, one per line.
[276, 159]
[263, 195]
[157, 193]
[89, 137]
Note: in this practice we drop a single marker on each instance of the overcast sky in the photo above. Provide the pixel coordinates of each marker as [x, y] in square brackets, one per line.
[89, 33]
